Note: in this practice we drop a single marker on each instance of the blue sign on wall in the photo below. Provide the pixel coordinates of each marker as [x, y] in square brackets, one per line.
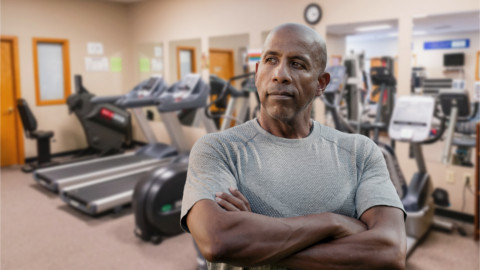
[447, 44]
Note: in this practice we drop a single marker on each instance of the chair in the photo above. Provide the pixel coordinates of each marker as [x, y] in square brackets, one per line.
[43, 137]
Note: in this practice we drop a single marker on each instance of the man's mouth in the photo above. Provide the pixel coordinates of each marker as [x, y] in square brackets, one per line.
[280, 95]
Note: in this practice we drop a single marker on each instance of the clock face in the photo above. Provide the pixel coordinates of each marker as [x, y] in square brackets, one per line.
[313, 14]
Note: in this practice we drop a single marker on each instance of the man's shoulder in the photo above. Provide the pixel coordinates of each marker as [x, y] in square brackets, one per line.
[348, 141]
[238, 134]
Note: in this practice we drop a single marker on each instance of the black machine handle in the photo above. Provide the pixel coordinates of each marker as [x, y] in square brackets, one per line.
[231, 90]
[149, 101]
[103, 100]
[79, 84]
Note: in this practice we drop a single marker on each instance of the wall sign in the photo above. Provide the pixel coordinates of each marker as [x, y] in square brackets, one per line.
[447, 44]
[95, 48]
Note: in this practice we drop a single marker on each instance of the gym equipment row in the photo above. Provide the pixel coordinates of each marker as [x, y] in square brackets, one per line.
[107, 128]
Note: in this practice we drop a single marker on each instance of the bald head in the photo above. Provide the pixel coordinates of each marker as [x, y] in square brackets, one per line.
[309, 36]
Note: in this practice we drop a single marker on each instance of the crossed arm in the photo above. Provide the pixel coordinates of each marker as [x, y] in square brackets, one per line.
[227, 231]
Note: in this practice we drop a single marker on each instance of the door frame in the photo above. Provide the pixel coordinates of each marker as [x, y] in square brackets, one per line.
[194, 59]
[17, 94]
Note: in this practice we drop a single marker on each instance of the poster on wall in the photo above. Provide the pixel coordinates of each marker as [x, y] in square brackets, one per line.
[95, 48]
[157, 64]
[158, 50]
[144, 64]
[447, 44]
[253, 56]
[116, 64]
[96, 64]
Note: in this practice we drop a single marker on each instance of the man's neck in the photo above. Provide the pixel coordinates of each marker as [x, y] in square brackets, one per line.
[297, 128]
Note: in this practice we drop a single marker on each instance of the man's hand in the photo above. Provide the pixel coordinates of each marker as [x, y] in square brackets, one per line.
[234, 202]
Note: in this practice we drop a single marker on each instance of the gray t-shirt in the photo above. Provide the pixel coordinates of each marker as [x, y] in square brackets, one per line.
[327, 171]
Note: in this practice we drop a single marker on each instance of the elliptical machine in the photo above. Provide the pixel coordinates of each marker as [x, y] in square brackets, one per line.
[105, 136]
[410, 122]
[157, 198]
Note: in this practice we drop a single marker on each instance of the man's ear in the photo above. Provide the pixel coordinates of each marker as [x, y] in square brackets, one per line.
[256, 72]
[323, 80]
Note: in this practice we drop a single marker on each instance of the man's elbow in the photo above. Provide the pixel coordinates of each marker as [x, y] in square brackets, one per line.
[214, 243]
[213, 251]
[394, 256]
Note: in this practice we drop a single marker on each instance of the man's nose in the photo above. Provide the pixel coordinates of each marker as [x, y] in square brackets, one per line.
[282, 73]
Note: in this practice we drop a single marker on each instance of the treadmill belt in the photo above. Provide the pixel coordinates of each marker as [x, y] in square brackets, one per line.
[99, 165]
[103, 190]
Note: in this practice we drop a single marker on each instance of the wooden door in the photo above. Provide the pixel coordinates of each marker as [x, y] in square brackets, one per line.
[221, 63]
[11, 143]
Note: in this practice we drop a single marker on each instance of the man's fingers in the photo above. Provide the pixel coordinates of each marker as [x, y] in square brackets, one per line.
[226, 205]
[240, 196]
[236, 202]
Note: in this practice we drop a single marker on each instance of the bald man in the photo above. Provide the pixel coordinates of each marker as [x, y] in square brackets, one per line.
[283, 191]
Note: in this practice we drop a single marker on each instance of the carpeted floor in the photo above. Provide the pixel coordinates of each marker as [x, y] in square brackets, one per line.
[38, 231]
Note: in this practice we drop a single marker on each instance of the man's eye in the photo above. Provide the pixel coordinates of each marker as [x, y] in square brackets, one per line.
[297, 65]
[270, 60]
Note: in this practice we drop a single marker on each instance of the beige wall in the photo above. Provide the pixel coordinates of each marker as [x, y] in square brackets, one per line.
[336, 45]
[80, 22]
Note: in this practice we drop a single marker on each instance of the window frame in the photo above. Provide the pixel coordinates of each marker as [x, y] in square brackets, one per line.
[66, 70]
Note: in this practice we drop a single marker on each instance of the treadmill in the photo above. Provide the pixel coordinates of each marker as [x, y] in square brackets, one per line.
[114, 192]
[146, 93]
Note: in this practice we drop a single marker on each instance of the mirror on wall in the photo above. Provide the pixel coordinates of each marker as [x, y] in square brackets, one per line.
[352, 51]
[444, 59]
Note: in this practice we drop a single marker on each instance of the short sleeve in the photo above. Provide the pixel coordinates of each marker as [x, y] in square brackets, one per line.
[209, 172]
[374, 187]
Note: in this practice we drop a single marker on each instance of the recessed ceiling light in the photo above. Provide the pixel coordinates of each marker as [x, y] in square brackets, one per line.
[419, 33]
[373, 27]
[441, 27]
[420, 16]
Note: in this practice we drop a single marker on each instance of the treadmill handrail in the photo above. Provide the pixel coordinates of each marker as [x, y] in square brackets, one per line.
[106, 99]
[231, 90]
[134, 103]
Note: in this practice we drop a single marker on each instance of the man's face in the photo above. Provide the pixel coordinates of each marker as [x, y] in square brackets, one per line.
[287, 76]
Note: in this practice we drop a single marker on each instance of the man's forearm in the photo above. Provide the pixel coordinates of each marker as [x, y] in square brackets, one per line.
[372, 249]
[246, 239]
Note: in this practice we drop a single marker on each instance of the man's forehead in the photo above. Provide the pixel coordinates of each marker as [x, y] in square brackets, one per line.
[285, 44]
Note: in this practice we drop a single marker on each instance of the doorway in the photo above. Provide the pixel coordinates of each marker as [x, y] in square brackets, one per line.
[221, 63]
[185, 61]
[11, 137]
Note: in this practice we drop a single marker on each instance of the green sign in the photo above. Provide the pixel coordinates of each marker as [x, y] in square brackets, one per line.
[116, 64]
[144, 65]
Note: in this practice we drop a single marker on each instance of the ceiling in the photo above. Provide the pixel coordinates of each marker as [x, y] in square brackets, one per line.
[422, 25]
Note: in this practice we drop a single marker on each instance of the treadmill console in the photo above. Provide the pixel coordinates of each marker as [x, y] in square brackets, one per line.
[152, 87]
[190, 92]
